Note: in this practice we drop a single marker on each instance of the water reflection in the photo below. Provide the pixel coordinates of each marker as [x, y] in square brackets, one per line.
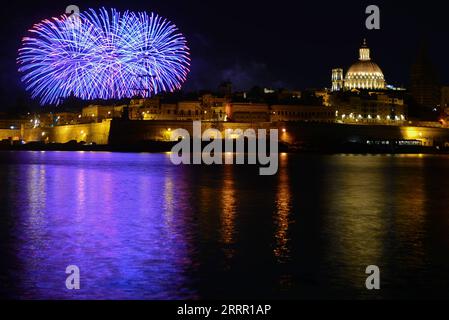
[228, 211]
[169, 201]
[376, 217]
[141, 228]
[79, 192]
[108, 224]
[410, 213]
[283, 211]
[35, 218]
[358, 217]
[37, 204]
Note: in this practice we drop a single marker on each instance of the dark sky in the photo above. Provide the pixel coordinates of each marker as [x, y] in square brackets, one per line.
[279, 43]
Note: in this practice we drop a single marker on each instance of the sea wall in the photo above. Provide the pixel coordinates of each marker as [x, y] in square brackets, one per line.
[335, 134]
[123, 132]
[8, 134]
[118, 132]
[91, 133]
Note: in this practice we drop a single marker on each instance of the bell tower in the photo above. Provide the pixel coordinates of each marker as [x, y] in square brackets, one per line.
[337, 79]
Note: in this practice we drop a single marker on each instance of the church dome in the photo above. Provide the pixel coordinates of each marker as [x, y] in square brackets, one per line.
[364, 74]
[364, 67]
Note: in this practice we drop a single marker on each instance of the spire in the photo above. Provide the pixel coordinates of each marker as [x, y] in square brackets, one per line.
[364, 52]
[364, 45]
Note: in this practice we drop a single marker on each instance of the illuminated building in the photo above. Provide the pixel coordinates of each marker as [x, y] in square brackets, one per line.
[338, 81]
[370, 108]
[363, 75]
[216, 106]
[363, 96]
[98, 112]
[300, 113]
[250, 112]
[325, 97]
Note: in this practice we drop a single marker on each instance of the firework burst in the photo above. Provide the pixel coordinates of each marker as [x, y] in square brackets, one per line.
[103, 55]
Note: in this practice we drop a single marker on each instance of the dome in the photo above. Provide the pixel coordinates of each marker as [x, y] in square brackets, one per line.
[364, 67]
[364, 74]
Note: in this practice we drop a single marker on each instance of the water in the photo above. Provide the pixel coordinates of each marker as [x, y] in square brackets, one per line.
[141, 228]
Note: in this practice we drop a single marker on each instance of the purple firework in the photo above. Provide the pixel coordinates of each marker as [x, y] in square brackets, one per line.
[103, 55]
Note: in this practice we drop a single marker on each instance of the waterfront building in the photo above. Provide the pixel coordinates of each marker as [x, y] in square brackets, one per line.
[209, 107]
[63, 118]
[363, 97]
[99, 112]
[216, 107]
[206, 107]
[190, 110]
[301, 113]
[369, 108]
[249, 112]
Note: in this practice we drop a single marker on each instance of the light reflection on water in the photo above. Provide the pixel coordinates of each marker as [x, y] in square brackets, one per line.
[282, 214]
[141, 228]
[228, 212]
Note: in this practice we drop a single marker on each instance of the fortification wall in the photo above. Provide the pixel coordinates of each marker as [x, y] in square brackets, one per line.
[119, 132]
[30, 135]
[6, 134]
[91, 133]
[328, 134]
[123, 132]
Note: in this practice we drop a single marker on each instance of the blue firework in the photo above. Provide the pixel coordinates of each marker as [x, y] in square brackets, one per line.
[103, 54]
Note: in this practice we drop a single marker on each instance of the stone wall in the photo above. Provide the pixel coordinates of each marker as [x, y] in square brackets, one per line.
[6, 134]
[333, 134]
[91, 133]
[118, 132]
[123, 132]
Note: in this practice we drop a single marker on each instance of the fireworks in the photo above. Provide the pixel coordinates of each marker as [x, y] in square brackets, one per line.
[103, 55]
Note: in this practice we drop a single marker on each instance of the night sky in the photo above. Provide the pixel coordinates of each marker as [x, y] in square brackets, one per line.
[281, 44]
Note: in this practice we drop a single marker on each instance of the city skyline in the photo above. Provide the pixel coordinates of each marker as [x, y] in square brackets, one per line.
[225, 51]
[195, 152]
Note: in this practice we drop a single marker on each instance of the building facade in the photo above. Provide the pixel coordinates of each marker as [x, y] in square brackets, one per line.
[372, 108]
[365, 74]
[300, 113]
